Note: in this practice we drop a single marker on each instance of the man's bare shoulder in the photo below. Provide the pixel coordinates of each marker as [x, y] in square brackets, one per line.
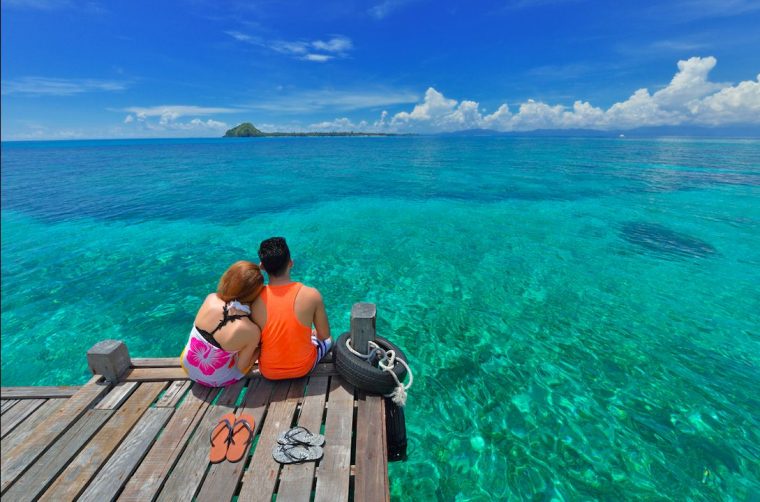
[311, 294]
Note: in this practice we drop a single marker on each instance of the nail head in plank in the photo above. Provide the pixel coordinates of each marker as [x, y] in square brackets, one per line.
[371, 480]
[17, 414]
[260, 479]
[38, 392]
[296, 480]
[173, 394]
[81, 469]
[222, 478]
[187, 475]
[335, 467]
[150, 474]
[55, 458]
[122, 464]
[47, 431]
[116, 396]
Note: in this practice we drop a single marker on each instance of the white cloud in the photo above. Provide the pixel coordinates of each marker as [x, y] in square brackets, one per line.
[331, 100]
[319, 58]
[173, 112]
[337, 44]
[164, 120]
[319, 51]
[738, 104]
[689, 98]
[242, 37]
[342, 124]
[45, 86]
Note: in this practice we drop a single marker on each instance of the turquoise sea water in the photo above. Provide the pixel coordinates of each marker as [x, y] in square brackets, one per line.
[582, 315]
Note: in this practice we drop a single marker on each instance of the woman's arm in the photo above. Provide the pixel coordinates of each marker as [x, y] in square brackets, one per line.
[249, 352]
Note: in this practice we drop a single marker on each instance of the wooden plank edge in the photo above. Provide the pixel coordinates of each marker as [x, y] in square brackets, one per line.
[38, 392]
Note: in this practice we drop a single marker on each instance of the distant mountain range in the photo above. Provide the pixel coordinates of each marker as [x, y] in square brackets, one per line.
[749, 131]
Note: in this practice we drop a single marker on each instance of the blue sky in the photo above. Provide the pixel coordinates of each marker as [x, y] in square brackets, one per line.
[163, 69]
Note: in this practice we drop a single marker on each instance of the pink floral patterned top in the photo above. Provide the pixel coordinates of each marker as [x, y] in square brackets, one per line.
[208, 364]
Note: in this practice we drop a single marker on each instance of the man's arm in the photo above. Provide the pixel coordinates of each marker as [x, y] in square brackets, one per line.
[321, 323]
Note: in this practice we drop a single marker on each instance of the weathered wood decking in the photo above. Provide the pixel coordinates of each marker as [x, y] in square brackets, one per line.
[147, 438]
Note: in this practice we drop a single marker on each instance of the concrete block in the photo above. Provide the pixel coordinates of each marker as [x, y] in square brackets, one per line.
[109, 358]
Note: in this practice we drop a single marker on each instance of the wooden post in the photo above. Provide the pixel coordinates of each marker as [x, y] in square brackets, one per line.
[109, 358]
[363, 316]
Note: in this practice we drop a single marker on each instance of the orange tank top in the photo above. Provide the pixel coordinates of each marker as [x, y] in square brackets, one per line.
[286, 349]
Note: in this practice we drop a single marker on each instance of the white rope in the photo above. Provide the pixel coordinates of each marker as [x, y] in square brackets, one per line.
[386, 363]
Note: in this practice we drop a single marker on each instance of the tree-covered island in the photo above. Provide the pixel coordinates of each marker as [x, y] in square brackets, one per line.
[248, 130]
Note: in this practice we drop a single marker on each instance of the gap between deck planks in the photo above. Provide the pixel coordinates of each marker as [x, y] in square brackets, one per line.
[23, 455]
[145, 470]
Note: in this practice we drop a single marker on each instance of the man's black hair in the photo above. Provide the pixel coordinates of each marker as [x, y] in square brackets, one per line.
[274, 255]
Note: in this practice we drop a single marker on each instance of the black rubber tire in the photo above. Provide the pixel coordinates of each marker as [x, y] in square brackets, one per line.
[363, 375]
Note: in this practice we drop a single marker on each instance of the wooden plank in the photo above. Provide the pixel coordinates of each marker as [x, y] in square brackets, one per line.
[124, 461]
[154, 362]
[324, 369]
[116, 396]
[222, 478]
[19, 434]
[154, 374]
[7, 404]
[47, 431]
[187, 475]
[177, 373]
[17, 414]
[173, 394]
[259, 481]
[43, 471]
[335, 467]
[150, 474]
[38, 392]
[296, 479]
[371, 480]
[140, 363]
[81, 469]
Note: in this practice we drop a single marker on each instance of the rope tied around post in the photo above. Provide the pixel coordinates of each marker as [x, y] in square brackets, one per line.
[387, 362]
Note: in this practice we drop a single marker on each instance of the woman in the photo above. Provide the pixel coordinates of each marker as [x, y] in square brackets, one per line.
[224, 340]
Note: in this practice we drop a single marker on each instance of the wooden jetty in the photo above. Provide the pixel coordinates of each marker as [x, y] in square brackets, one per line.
[139, 430]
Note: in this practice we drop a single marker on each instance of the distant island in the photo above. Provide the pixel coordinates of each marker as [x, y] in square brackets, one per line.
[248, 130]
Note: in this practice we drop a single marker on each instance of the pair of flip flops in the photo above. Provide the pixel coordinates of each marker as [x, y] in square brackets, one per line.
[231, 437]
[298, 445]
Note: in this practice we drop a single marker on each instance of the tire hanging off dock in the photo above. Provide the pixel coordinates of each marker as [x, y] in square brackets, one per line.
[385, 379]
[357, 370]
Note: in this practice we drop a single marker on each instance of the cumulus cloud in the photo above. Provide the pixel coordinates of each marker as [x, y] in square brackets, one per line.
[689, 98]
[157, 120]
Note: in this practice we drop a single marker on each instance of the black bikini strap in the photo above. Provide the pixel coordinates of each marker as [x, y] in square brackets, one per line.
[228, 318]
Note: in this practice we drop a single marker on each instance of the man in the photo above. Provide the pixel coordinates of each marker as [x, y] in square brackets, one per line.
[286, 311]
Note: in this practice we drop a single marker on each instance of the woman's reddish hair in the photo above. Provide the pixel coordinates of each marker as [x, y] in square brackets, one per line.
[242, 282]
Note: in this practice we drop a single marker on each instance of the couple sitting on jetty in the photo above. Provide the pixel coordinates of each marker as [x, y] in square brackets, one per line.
[246, 321]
